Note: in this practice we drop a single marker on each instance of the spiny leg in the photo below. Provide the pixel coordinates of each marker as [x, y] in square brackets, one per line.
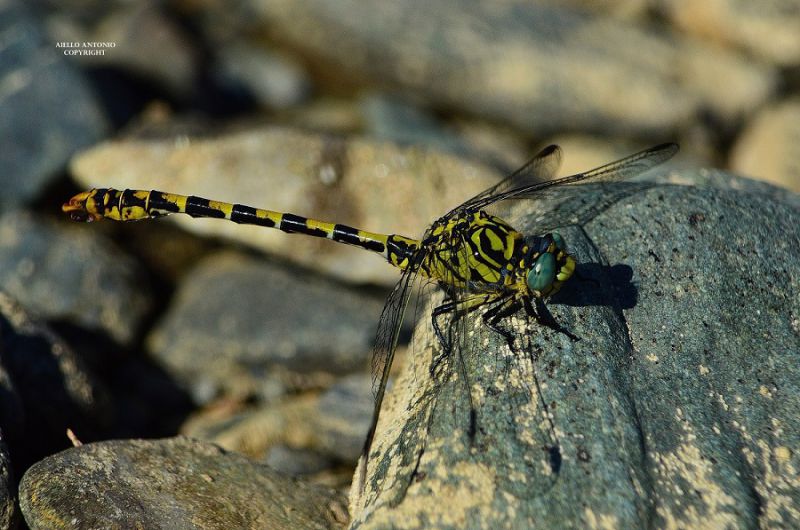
[457, 309]
[545, 318]
[492, 317]
[445, 308]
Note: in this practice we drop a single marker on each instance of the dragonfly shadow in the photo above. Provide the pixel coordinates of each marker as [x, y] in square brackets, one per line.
[594, 284]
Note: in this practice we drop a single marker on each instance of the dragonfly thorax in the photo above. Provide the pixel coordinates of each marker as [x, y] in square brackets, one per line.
[472, 250]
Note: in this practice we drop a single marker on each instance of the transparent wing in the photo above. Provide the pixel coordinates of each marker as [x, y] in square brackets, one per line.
[564, 205]
[541, 168]
[615, 171]
[388, 332]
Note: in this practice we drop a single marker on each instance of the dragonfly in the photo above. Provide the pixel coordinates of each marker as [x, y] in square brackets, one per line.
[478, 260]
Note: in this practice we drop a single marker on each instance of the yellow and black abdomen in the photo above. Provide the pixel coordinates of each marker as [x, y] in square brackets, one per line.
[133, 205]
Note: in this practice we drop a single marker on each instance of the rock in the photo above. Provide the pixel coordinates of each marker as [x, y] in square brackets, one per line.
[344, 413]
[622, 9]
[541, 69]
[373, 186]
[331, 426]
[327, 114]
[47, 110]
[768, 30]
[273, 80]
[140, 32]
[143, 31]
[296, 462]
[392, 119]
[769, 147]
[171, 483]
[675, 408]
[46, 389]
[71, 273]
[9, 514]
[235, 316]
[290, 422]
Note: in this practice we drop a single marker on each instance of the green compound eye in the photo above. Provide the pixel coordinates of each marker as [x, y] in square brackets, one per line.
[543, 272]
[559, 241]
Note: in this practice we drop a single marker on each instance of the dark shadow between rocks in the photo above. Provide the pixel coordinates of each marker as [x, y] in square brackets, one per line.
[148, 402]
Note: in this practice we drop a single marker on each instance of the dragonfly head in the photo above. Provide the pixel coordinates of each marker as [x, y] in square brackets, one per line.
[551, 265]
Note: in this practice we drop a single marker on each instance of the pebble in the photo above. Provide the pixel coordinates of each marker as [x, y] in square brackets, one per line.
[274, 80]
[71, 273]
[47, 388]
[236, 317]
[9, 514]
[170, 483]
[331, 425]
[47, 110]
[542, 69]
[767, 30]
[769, 146]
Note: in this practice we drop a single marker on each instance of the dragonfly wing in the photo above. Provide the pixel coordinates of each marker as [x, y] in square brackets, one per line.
[565, 205]
[615, 171]
[389, 326]
[541, 168]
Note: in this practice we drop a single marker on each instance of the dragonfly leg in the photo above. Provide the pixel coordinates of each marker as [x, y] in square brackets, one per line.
[545, 318]
[492, 317]
[457, 307]
[447, 307]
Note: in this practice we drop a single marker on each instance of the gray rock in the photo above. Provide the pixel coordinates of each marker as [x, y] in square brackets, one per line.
[47, 111]
[321, 429]
[9, 514]
[392, 119]
[344, 414]
[142, 31]
[46, 389]
[71, 273]
[676, 408]
[275, 81]
[235, 315]
[171, 483]
[539, 68]
[371, 185]
[296, 462]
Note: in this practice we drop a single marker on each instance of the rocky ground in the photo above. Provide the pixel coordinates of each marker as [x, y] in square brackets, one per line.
[186, 373]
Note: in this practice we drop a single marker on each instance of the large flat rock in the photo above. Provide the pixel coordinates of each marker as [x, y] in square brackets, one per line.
[676, 408]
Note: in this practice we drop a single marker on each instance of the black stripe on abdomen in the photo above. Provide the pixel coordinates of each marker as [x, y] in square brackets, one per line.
[199, 207]
[294, 223]
[349, 235]
[248, 215]
[129, 199]
[158, 202]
